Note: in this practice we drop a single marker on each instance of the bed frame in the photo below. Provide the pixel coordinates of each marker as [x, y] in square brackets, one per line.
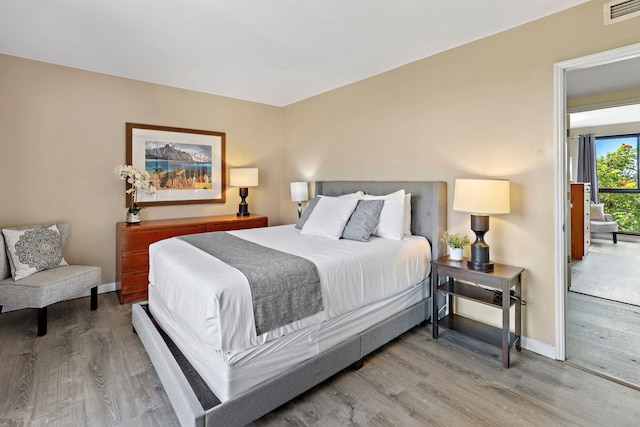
[193, 402]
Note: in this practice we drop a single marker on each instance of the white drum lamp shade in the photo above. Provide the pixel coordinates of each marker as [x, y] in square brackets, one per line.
[481, 198]
[243, 178]
[299, 193]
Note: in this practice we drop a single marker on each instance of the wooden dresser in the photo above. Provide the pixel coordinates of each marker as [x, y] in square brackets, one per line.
[580, 219]
[132, 246]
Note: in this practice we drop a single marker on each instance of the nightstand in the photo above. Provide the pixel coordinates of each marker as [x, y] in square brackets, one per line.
[456, 280]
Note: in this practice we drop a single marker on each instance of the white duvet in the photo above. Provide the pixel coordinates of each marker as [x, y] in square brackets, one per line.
[214, 299]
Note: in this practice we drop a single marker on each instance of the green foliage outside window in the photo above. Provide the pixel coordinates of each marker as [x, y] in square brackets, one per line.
[619, 169]
[624, 208]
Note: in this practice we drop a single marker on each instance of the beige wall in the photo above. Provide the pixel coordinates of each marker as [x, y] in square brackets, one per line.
[62, 131]
[484, 109]
[603, 100]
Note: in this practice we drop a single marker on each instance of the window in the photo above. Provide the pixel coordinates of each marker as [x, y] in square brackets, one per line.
[617, 169]
[617, 161]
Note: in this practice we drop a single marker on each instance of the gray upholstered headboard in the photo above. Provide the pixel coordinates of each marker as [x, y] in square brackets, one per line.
[428, 204]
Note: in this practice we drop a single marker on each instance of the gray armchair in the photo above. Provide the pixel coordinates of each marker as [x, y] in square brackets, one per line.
[44, 285]
[606, 226]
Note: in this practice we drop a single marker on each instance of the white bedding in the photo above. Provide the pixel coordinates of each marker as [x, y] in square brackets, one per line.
[228, 374]
[213, 300]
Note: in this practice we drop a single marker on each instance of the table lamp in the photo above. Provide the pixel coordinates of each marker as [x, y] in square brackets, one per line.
[299, 193]
[243, 178]
[481, 197]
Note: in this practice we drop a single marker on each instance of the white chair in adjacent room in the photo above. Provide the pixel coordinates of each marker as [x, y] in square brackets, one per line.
[602, 223]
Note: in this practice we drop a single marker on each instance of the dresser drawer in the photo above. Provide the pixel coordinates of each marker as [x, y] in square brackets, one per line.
[580, 219]
[135, 261]
[227, 226]
[135, 282]
[141, 239]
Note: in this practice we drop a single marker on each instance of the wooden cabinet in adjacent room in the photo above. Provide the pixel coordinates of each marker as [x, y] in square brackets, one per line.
[580, 219]
[132, 246]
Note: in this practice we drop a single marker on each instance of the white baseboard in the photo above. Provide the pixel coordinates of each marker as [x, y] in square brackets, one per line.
[541, 348]
[107, 287]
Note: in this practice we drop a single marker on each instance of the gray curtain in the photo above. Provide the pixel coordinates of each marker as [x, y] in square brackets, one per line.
[587, 164]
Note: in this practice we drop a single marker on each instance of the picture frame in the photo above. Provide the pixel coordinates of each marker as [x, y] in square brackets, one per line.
[187, 166]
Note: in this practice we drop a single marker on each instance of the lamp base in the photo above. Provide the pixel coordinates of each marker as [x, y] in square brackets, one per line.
[479, 249]
[481, 266]
[243, 207]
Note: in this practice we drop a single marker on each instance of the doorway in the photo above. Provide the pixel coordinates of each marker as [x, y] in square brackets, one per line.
[561, 71]
[603, 302]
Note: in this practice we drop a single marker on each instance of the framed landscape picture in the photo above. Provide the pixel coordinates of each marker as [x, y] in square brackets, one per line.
[186, 166]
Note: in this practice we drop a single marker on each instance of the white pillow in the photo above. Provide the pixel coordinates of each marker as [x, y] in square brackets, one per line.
[406, 229]
[357, 195]
[312, 204]
[597, 212]
[329, 217]
[391, 224]
[32, 250]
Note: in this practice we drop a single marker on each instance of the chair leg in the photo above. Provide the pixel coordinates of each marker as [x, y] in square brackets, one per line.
[94, 298]
[357, 365]
[615, 237]
[42, 321]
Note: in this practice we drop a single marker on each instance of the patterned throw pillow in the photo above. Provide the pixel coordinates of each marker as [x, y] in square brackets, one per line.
[33, 250]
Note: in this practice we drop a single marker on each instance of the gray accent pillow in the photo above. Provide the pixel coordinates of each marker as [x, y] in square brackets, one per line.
[363, 220]
[307, 212]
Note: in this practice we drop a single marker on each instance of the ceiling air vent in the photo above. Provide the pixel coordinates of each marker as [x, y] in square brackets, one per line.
[620, 10]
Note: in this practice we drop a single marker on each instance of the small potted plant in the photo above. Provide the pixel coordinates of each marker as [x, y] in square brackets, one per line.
[456, 243]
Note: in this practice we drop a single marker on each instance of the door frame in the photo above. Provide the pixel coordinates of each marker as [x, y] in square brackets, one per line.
[560, 171]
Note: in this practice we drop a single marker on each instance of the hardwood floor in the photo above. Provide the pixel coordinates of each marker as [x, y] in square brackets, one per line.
[90, 369]
[604, 336]
[603, 325]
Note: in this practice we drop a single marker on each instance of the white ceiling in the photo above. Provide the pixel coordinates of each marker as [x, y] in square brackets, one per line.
[616, 76]
[607, 78]
[270, 51]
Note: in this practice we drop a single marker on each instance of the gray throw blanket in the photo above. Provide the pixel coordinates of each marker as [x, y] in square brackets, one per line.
[284, 287]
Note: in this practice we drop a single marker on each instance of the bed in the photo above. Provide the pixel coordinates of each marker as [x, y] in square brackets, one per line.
[214, 379]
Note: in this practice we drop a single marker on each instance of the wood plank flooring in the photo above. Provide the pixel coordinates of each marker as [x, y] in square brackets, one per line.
[91, 370]
[603, 328]
[604, 336]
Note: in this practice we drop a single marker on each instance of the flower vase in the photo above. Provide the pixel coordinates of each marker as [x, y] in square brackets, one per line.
[133, 218]
[455, 254]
